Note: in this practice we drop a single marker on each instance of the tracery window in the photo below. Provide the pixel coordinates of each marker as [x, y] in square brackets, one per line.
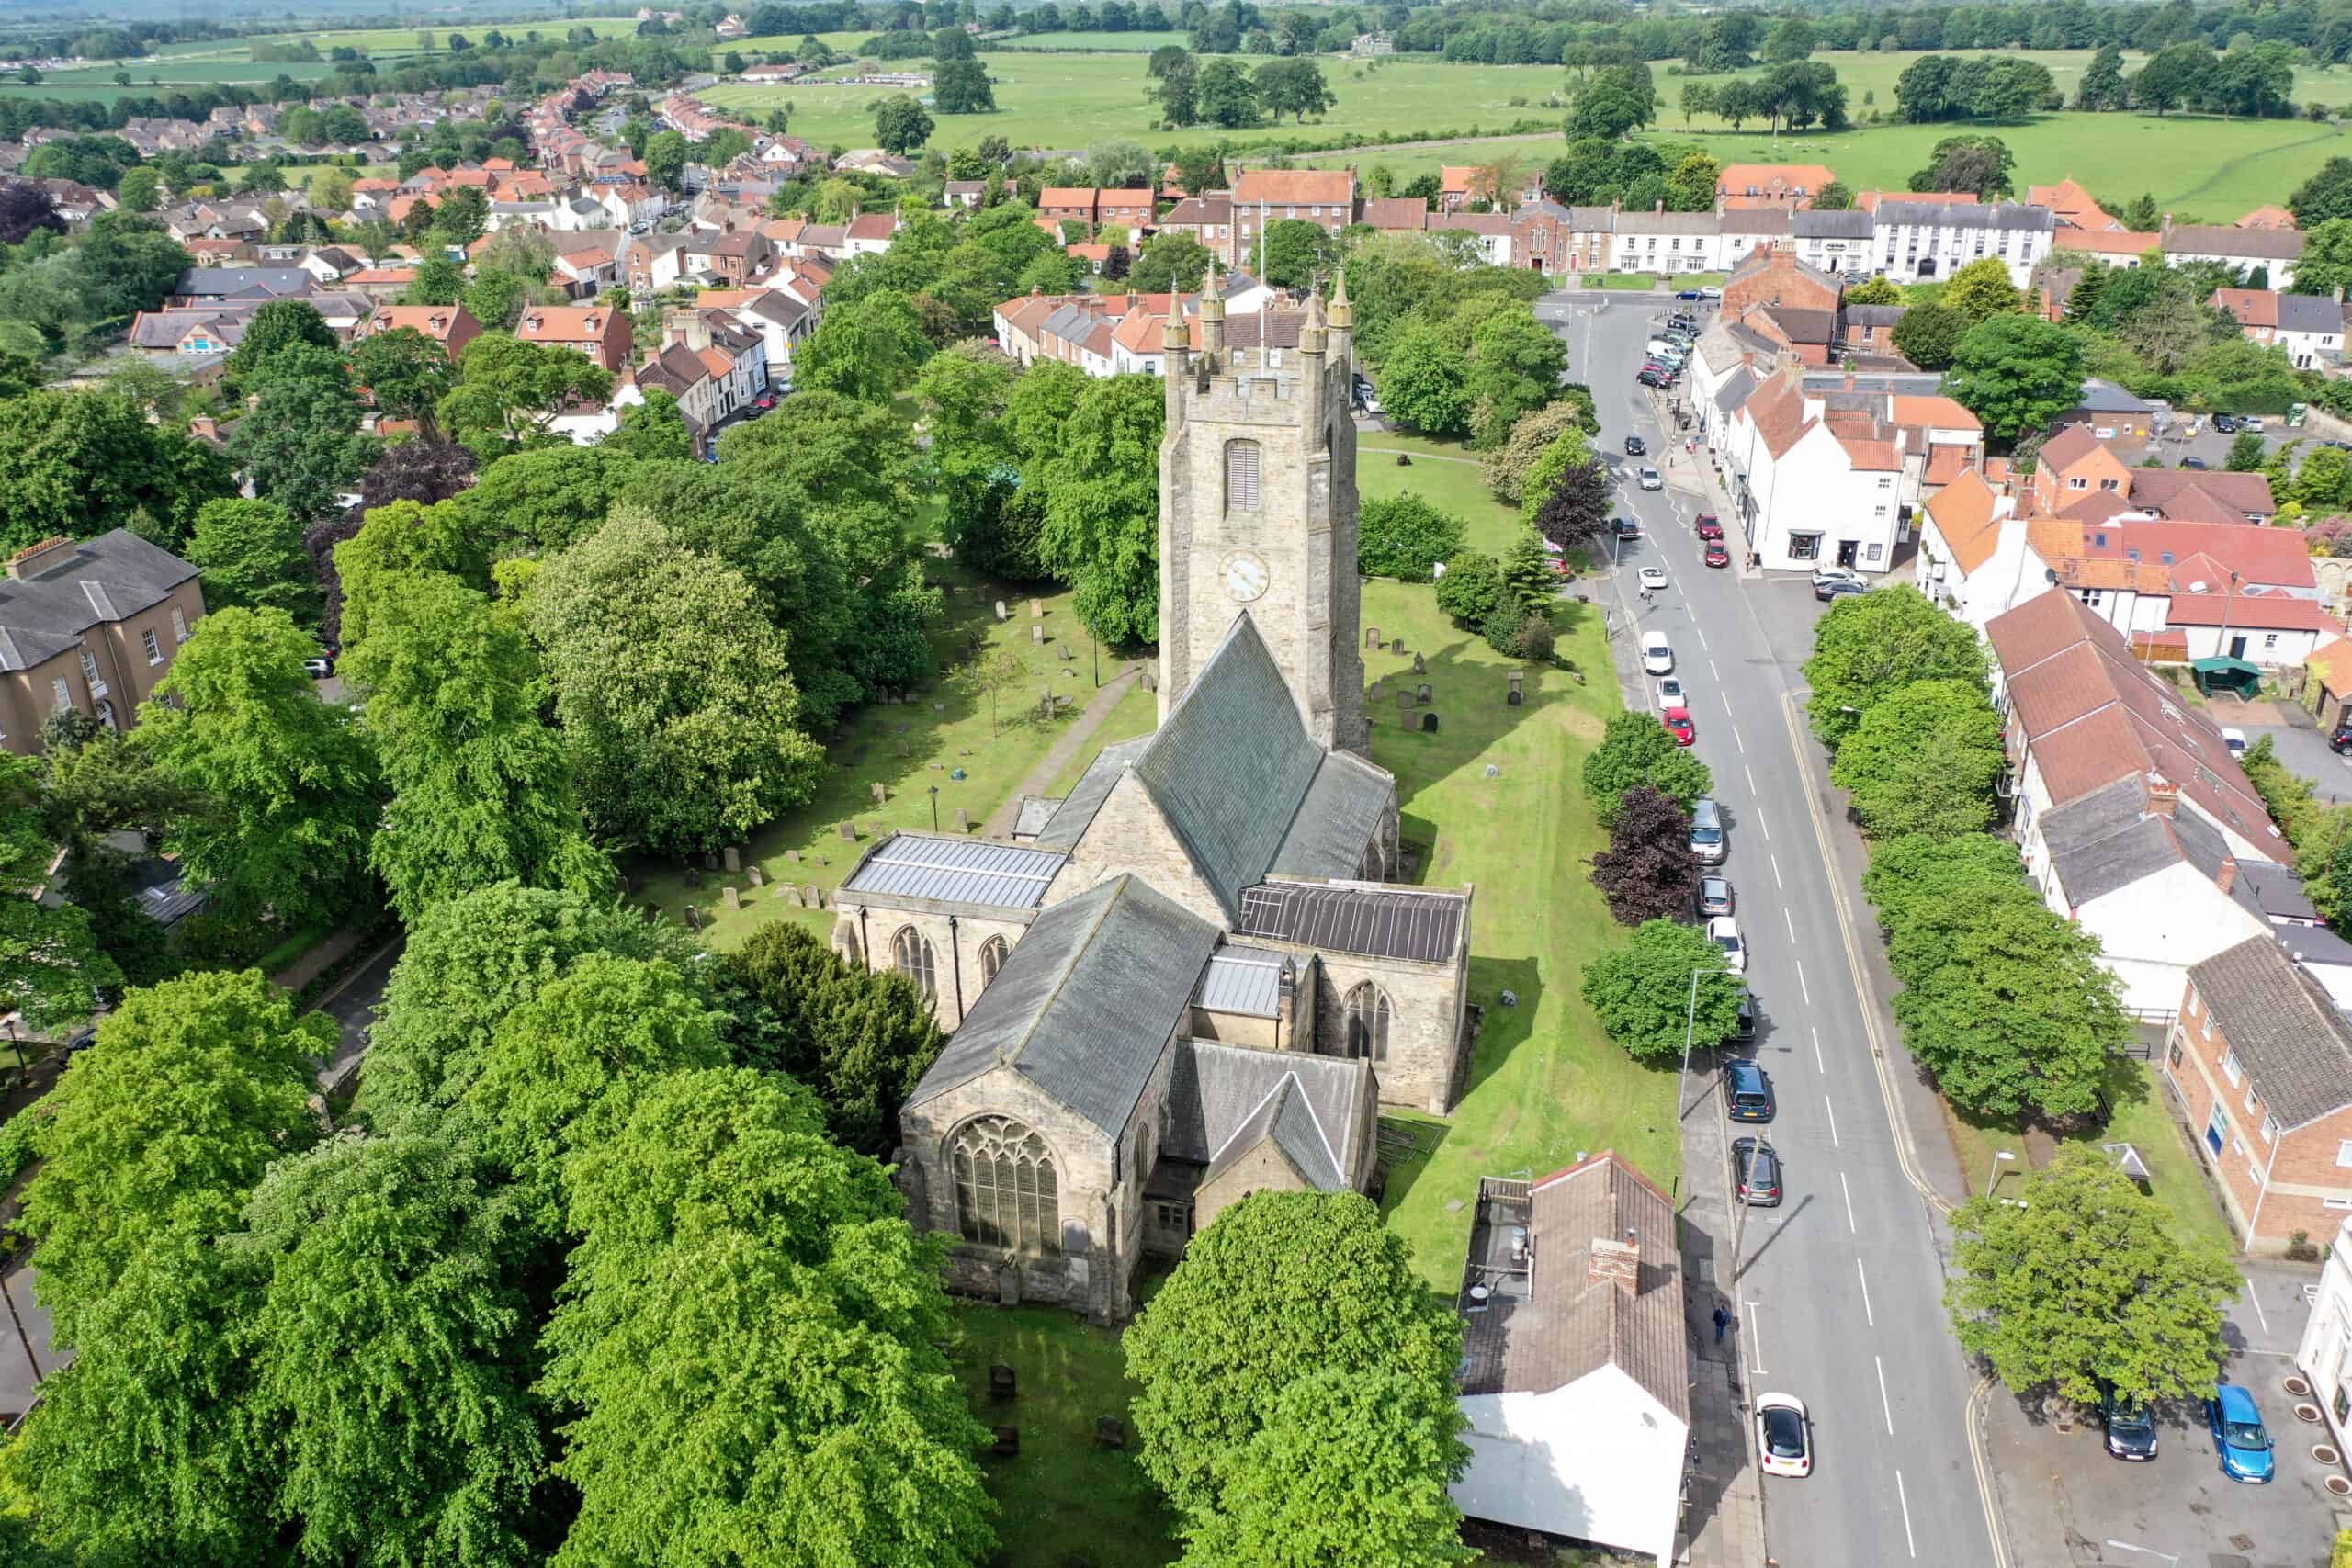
[1006, 1194]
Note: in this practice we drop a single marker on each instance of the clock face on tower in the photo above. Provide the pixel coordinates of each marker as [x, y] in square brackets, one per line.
[1245, 576]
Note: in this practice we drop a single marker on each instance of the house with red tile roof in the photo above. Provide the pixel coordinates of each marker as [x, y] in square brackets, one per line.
[2073, 206]
[2132, 815]
[1261, 197]
[599, 332]
[1774, 184]
[2310, 327]
[451, 326]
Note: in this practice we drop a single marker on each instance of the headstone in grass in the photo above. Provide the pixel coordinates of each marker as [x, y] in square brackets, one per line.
[731, 858]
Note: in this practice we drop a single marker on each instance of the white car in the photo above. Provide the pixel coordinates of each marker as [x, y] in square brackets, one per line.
[1658, 654]
[1723, 931]
[1821, 574]
[1783, 1435]
[1709, 291]
[1650, 479]
[1670, 694]
[2234, 740]
[2250, 422]
[1652, 578]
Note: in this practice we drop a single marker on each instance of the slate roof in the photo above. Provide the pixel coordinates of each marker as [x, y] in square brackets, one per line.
[1811, 224]
[1338, 818]
[2296, 1048]
[2223, 239]
[1070, 821]
[245, 283]
[2106, 397]
[955, 870]
[1085, 1003]
[1734, 392]
[110, 578]
[1223, 1099]
[2108, 839]
[2006, 216]
[1876, 315]
[2273, 892]
[1420, 925]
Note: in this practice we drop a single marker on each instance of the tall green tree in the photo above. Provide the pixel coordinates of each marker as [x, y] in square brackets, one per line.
[507, 391]
[1636, 751]
[2016, 373]
[1927, 335]
[1424, 381]
[49, 959]
[869, 349]
[1281, 1289]
[1293, 87]
[1981, 290]
[1644, 995]
[289, 783]
[278, 325]
[1515, 367]
[2082, 1283]
[1923, 759]
[302, 445]
[672, 688]
[82, 463]
[901, 126]
[483, 789]
[252, 556]
[1871, 644]
[733, 1259]
[1102, 531]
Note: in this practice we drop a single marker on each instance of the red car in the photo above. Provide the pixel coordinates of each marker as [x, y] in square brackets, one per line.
[1710, 525]
[1717, 554]
[1679, 725]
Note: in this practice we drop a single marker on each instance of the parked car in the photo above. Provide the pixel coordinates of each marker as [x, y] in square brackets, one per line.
[318, 669]
[1748, 1091]
[1758, 1166]
[1743, 1027]
[2340, 742]
[2234, 740]
[1709, 291]
[1658, 654]
[1670, 694]
[1707, 840]
[1650, 479]
[1635, 447]
[1838, 587]
[1625, 527]
[1682, 321]
[1723, 931]
[1654, 377]
[2225, 424]
[1652, 578]
[1690, 293]
[1679, 725]
[2240, 1436]
[2131, 1429]
[1783, 1435]
[764, 405]
[1710, 527]
[1716, 555]
[1371, 402]
[2193, 462]
[80, 1040]
[1821, 574]
[2250, 422]
[1715, 896]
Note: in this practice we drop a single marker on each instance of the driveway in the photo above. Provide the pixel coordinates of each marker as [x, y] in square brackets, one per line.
[2304, 751]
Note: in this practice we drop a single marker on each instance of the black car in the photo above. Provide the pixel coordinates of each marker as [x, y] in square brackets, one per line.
[1625, 527]
[1747, 1092]
[1636, 447]
[1831, 588]
[1758, 1166]
[2192, 462]
[2131, 1429]
[80, 1040]
[1743, 1028]
[2225, 423]
[2340, 742]
[1655, 375]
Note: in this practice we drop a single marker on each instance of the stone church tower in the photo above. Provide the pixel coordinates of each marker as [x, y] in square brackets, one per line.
[1258, 509]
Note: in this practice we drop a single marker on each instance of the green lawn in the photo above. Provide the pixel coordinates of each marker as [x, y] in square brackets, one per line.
[897, 747]
[1116, 43]
[1544, 1085]
[1444, 474]
[1066, 1503]
[1136, 713]
[2143, 1118]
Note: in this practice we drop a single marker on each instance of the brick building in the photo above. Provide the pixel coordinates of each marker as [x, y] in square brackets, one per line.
[92, 625]
[600, 332]
[2261, 1062]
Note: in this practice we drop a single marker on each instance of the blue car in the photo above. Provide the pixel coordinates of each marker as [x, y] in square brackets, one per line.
[1747, 1090]
[1690, 293]
[2238, 1432]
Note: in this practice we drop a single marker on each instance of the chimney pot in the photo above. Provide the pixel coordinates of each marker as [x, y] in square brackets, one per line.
[1616, 1263]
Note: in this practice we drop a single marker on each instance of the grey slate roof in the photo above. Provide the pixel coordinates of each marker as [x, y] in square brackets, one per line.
[1246, 980]
[1340, 816]
[1757, 220]
[2272, 892]
[1420, 925]
[2007, 216]
[1068, 824]
[2226, 240]
[1875, 315]
[2107, 840]
[956, 870]
[2296, 1048]
[1734, 391]
[1034, 812]
[2309, 313]
[1853, 224]
[45, 615]
[1920, 384]
[1314, 1106]
[1085, 1003]
[2106, 397]
[245, 283]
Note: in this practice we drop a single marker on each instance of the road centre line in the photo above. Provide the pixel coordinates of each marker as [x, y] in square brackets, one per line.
[1793, 923]
[1754, 1336]
[1802, 986]
[1871, 1318]
[1766, 826]
[1851, 1229]
[1775, 859]
[1905, 1498]
[1737, 739]
[1833, 1122]
[1724, 698]
[1751, 789]
[1718, 675]
[1822, 1067]
[1704, 646]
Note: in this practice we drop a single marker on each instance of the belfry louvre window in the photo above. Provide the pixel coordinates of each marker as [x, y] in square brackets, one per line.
[1005, 1192]
[1241, 475]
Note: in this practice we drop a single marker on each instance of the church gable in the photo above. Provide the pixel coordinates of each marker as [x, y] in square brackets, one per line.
[1129, 833]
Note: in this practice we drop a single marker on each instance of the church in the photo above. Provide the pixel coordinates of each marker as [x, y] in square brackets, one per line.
[1193, 980]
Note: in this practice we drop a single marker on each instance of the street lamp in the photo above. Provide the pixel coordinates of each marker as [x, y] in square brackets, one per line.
[1689, 1022]
[1999, 1155]
[935, 808]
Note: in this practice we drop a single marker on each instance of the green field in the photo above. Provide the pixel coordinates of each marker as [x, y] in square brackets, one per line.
[1116, 43]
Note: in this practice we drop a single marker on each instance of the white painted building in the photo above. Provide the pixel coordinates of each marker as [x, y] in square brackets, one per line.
[1913, 240]
[1814, 492]
[2324, 1354]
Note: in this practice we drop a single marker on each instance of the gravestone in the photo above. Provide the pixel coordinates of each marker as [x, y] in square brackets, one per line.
[1007, 1442]
[939, 707]
[999, 609]
[1398, 647]
[814, 895]
[730, 897]
[1110, 1432]
[731, 858]
[963, 820]
[1037, 635]
[1420, 665]
[793, 856]
[1036, 609]
[1518, 694]
[1493, 771]
[881, 794]
[792, 897]
[1069, 653]
[1404, 699]
[1372, 636]
[1151, 680]
[693, 918]
[1421, 694]
[757, 877]
[1001, 1383]
[849, 833]
[1429, 724]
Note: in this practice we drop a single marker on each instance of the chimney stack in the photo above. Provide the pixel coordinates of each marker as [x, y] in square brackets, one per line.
[2227, 876]
[1616, 1263]
[2163, 795]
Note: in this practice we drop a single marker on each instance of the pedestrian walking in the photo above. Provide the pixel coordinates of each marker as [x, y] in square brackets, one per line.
[1723, 1321]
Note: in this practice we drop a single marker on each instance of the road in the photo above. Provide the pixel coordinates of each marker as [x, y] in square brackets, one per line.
[1839, 1290]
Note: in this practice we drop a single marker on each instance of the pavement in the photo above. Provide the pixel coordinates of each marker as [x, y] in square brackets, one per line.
[352, 1004]
[1838, 1292]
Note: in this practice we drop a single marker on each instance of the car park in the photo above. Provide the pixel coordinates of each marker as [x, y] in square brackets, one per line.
[1658, 654]
[1679, 725]
[1670, 694]
[2234, 740]
[1708, 841]
[1748, 1091]
[1838, 587]
[1757, 1167]
[1710, 527]
[1715, 554]
[1783, 1435]
[1650, 479]
[2239, 1436]
[2131, 1429]
[1715, 896]
[1635, 447]
[1652, 578]
[1723, 931]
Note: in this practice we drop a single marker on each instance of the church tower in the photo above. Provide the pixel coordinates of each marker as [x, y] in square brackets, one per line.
[1258, 511]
